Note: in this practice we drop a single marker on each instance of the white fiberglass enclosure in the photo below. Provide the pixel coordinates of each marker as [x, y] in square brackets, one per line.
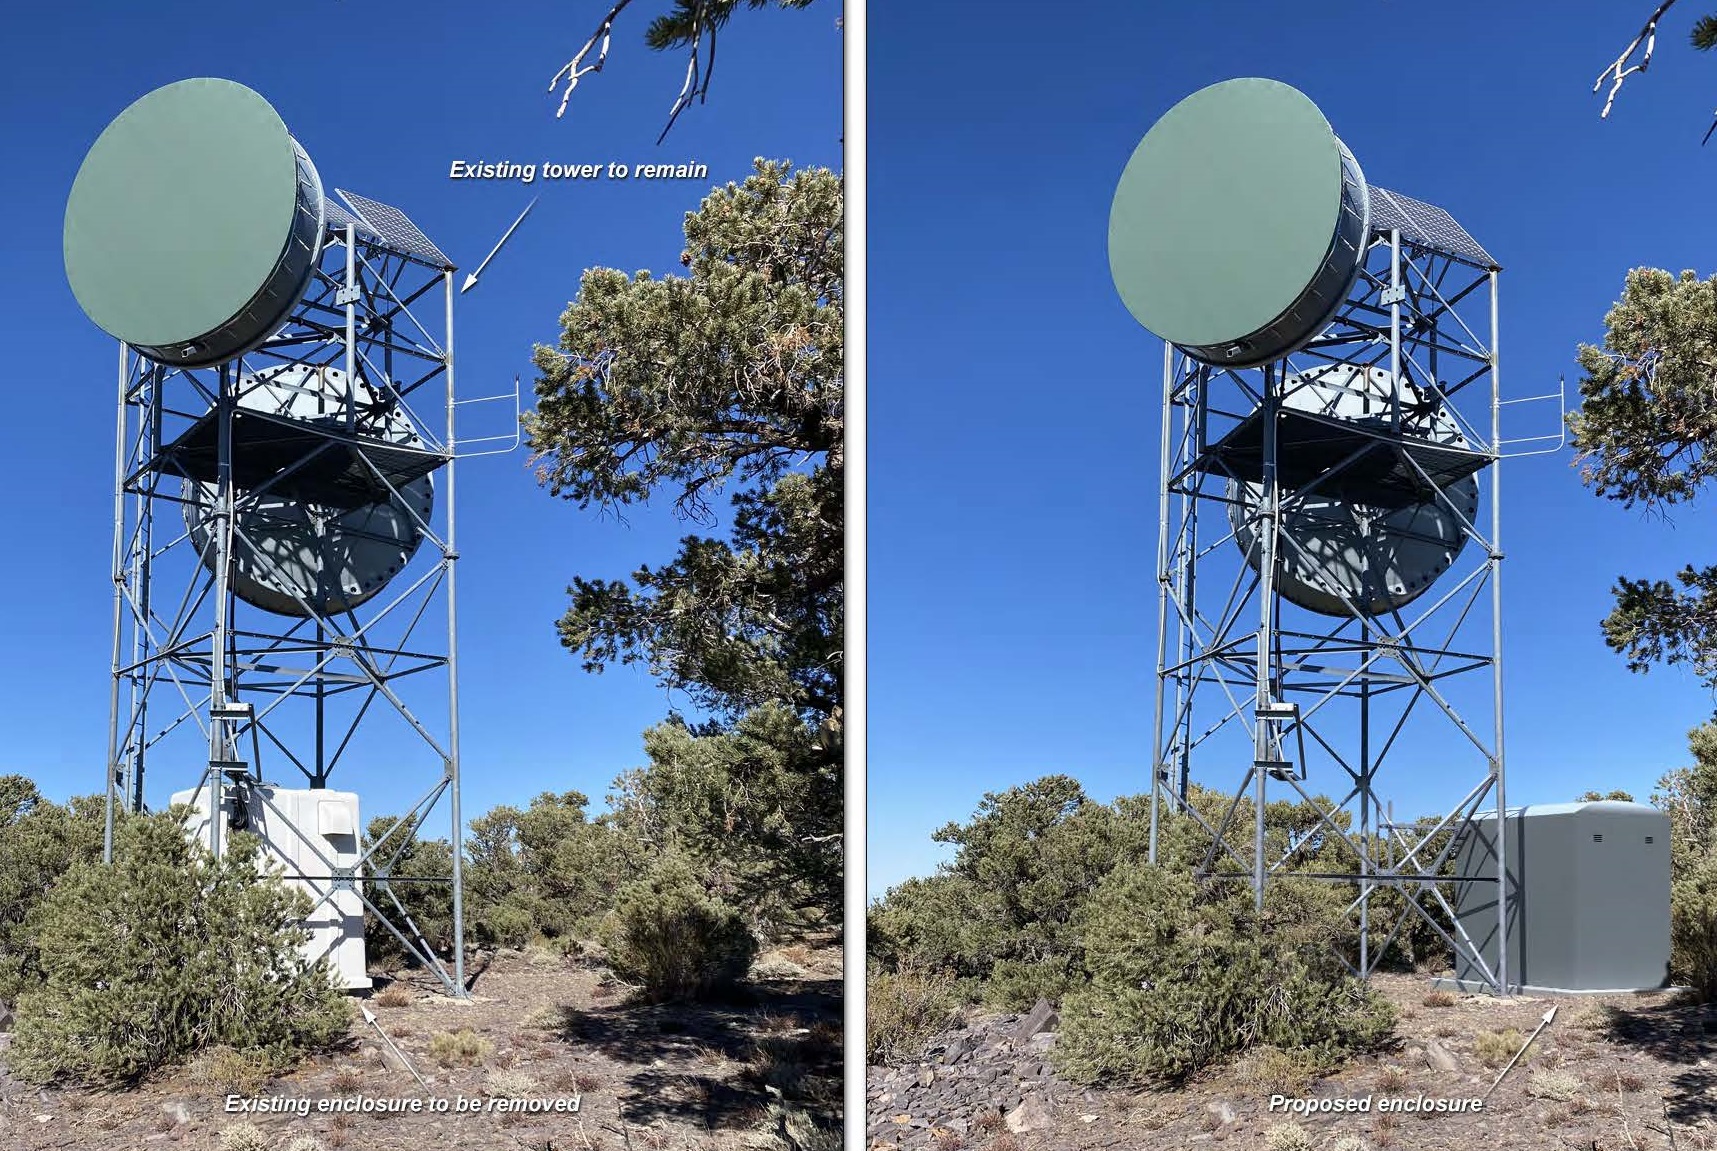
[311, 835]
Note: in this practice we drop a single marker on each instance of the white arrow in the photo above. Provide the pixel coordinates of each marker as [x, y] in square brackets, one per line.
[371, 1020]
[1542, 1024]
[472, 278]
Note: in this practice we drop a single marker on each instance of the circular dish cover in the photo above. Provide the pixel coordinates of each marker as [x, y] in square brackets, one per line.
[1238, 204]
[1380, 558]
[188, 208]
[333, 559]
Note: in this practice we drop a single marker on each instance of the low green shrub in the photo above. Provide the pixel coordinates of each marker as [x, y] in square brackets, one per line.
[1184, 975]
[1693, 929]
[505, 925]
[1014, 985]
[1689, 796]
[428, 905]
[673, 939]
[40, 841]
[164, 953]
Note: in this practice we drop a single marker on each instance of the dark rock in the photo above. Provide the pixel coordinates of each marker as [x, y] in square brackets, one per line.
[1042, 1017]
[986, 1075]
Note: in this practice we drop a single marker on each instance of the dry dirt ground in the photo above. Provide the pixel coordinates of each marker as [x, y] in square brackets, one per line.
[1610, 1073]
[541, 1027]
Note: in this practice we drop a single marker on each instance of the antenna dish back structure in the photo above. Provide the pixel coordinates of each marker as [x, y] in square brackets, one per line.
[1330, 405]
[194, 224]
[301, 559]
[1347, 555]
[284, 457]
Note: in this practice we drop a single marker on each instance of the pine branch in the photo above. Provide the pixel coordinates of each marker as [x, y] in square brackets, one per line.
[573, 71]
[686, 25]
[1703, 37]
[689, 89]
[1705, 33]
[1620, 70]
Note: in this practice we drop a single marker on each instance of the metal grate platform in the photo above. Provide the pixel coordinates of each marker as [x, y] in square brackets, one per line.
[331, 470]
[1311, 446]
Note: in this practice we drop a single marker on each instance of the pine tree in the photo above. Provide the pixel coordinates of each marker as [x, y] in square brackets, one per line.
[1646, 435]
[728, 379]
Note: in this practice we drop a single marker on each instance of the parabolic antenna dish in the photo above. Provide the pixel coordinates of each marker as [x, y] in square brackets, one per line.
[1239, 223]
[1379, 558]
[194, 224]
[332, 559]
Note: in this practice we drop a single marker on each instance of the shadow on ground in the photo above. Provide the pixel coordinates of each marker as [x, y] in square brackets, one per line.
[1677, 1033]
[785, 1036]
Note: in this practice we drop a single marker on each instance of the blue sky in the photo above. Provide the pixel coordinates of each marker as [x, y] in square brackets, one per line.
[421, 85]
[1013, 400]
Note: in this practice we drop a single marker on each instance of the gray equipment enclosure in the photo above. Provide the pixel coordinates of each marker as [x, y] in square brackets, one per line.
[1590, 911]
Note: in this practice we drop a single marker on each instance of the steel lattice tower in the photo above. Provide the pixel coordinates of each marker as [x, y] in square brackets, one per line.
[257, 691]
[1328, 556]
[1321, 698]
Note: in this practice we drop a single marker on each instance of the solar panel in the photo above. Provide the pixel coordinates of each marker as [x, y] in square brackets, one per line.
[337, 218]
[1425, 224]
[395, 228]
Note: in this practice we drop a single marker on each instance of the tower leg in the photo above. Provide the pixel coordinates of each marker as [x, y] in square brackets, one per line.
[1264, 688]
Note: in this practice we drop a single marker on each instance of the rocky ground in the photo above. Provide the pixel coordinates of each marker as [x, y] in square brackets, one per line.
[539, 1028]
[1612, 1073]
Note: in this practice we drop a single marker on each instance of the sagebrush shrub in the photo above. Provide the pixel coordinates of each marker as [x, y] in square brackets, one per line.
[1184, 975]
[1494, 1048]
[1288, 1137]
[673, 939]
[507, 1084]
[164, 953]
[1558, 1086]
[244, 1137]
[462, 1046]
[903, 1009]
